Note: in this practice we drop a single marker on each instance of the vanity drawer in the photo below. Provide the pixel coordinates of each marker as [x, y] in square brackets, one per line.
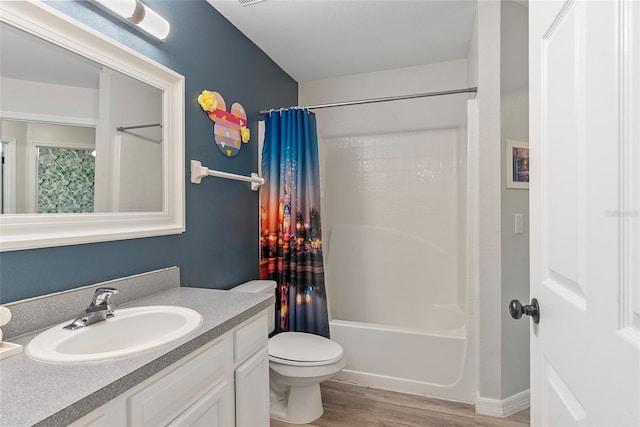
[165, 399]
[251, 337]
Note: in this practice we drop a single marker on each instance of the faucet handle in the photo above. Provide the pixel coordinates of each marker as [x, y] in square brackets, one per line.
[103, 295]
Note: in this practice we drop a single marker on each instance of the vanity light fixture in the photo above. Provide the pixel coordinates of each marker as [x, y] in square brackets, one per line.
[136, 13]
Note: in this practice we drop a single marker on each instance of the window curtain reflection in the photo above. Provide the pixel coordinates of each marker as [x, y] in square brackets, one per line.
[65, 180]
[290, 232]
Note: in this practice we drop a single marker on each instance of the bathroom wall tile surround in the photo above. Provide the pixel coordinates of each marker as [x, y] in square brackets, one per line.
[414, 175]
[62, 306]
[397, 193]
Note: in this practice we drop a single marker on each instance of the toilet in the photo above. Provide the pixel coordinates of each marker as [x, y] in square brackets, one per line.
[298, 363]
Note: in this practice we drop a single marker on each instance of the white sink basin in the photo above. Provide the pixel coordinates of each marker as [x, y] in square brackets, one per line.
[131, 330]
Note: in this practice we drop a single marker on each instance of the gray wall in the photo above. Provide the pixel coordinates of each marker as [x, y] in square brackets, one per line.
[498, 63]
[219, 248]
[488, 246]
[514, 125]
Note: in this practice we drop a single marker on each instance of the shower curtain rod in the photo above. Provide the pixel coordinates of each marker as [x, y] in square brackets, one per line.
[389, 98]
[123, 128]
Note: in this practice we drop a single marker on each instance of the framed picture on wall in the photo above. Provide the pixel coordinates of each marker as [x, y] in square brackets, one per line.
[517, 167]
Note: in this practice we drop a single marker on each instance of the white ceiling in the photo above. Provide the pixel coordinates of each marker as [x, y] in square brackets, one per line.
[317, 39]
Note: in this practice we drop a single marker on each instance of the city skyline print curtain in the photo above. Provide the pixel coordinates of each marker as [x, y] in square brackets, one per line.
[290, 229]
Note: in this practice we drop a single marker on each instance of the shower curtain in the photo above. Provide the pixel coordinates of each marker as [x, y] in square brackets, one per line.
[290, 230]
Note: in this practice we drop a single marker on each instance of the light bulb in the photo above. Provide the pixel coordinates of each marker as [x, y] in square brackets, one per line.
[154, 24]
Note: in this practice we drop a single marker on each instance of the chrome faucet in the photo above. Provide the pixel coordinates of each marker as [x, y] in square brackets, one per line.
[99, 309]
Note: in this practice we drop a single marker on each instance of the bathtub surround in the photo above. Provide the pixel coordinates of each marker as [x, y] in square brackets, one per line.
[290, 225]
[216, 253]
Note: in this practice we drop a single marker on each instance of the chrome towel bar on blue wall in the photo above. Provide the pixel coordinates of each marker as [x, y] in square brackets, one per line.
[198, 172]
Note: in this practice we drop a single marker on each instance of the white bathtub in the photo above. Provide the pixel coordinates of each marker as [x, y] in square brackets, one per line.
[426, 362]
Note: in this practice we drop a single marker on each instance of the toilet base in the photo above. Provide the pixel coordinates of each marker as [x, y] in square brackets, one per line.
[298, 405]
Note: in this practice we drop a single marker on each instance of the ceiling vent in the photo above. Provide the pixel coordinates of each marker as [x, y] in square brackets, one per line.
[248, 2]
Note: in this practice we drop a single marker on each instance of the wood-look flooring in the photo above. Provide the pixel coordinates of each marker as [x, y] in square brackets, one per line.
[347, 405]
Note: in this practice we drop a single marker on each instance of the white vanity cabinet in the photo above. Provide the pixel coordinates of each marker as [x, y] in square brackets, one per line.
[225, 383]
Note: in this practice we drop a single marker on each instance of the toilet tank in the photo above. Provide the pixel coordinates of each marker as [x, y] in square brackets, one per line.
[261, 287]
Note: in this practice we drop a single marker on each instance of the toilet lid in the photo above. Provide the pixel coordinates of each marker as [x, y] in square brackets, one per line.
[303, 347]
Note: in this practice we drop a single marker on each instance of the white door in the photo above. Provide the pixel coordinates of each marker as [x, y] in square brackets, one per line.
[585, 231]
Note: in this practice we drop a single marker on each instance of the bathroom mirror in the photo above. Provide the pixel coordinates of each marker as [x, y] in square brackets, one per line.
[92, 135]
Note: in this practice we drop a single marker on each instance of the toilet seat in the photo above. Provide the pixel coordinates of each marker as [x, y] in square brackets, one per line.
[303, 349]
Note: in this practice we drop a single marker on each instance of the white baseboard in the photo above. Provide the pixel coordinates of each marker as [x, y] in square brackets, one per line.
[503, 408]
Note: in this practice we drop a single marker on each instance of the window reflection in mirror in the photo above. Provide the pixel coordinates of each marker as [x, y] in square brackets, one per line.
[65, 179]
[61, 147]
[50, 168]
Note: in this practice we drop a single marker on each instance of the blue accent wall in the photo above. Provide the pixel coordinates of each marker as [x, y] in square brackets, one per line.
[220, 247]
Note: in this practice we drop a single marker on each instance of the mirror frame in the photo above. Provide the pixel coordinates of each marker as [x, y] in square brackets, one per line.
[28, 231]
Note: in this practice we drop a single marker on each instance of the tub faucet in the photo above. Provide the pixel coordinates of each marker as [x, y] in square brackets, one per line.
[99, 309]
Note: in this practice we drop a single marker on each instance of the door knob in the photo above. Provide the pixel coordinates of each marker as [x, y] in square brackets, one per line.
[516, 309]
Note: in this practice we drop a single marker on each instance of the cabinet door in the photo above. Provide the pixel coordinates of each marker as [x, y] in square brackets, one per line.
[252, 391]
[170, 396]
[214, 409]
